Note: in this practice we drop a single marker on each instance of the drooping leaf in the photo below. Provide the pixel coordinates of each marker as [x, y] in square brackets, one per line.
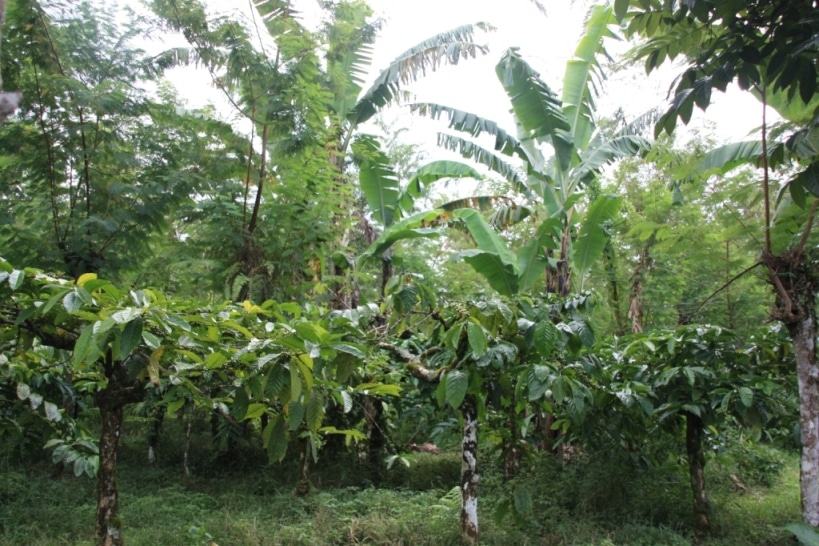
[536, 107]
[457, 382]
[448, 47]
[376, 178]
[592, 238]
[414, 226]
[477, 338]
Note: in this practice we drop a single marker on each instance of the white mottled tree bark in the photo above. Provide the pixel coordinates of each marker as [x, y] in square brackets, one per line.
[804, 346]
[469, 471]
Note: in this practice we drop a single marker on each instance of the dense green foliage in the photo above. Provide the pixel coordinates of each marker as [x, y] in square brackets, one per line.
[267, 324]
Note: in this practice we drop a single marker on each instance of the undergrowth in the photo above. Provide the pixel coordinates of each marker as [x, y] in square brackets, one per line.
[589, 499]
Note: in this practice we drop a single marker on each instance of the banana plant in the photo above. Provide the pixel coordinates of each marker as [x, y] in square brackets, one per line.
[554, 184]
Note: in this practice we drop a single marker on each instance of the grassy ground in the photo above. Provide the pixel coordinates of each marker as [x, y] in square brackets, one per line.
[589, 501]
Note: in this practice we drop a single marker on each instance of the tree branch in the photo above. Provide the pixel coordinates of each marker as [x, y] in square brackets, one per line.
[724, 286]
[414, 362]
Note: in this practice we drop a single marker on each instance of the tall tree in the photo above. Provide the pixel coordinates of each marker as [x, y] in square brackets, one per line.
[93, 167]
[769, 48]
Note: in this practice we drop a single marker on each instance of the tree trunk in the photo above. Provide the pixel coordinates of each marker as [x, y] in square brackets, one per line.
[558, 278]
[157, 418]
[794, 277]
[376, 440]
[469, 472]
[803, 334]
[109, 527]
[635, 306]
[694, 428]
[112, 401]
[610, 265]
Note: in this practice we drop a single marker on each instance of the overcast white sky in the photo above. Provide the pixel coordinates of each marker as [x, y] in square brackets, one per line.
[546, 41]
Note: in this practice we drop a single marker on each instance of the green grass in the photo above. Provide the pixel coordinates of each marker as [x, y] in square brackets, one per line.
[592, 500]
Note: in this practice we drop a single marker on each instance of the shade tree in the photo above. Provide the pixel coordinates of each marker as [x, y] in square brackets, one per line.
[770, 50]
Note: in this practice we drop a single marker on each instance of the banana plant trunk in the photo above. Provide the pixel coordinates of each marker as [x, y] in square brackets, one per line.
[469, 471]
[694, 429]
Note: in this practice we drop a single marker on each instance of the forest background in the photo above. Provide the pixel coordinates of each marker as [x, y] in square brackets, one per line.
[562, 293]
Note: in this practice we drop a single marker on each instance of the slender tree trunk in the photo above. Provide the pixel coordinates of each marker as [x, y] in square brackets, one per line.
[157, 418]
[803, 334]
[635, 306]
[614, 291]
[795, 281]
[376, 440]
[728, 303]
[694, 429]
[469, 471]
[109, 526]
[186, 456]
[111, 401]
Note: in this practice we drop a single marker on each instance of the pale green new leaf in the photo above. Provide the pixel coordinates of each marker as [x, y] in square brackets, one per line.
[578, 80]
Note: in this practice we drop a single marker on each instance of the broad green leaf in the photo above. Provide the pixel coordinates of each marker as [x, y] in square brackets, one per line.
[433, 172]
[315, 410]
[724, 158]
[174, 406]
[295, 380]
[523, 500]
[275, 436]
[215, 360]
[536, 107]
[377, 179]
[457, 382]
[485, 237]
[546, 338]
[409, 228]
[255, 410]
[806, 534]
[347, 401]
[477, 338]
[151, 340]
[84, 345]
[131, 335]
[501, 276]
[746, 396]
[126, 315]
[295, 415]
[72, 302]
